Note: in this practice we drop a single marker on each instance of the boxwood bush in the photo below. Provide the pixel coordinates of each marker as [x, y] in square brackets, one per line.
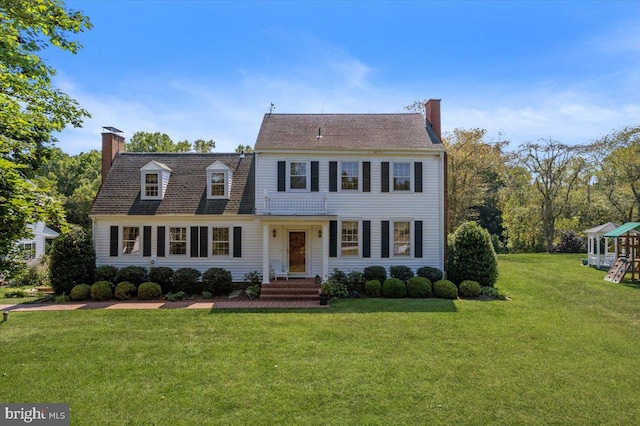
[134, 274]
[217, 281]
[373, 288]
[101, 290]
[355, 281]
[106, 273]
[430, 273]
[418, 287]
[186, 279]
[375, 273]
[161, 275]
[471, 256]
[401, 272]
[80, 292]
[149, 290]
[73, 261]
[445, 289]
[468, 288]
[125, 290]
[394, 287]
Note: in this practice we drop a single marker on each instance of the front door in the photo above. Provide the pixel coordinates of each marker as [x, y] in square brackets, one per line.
[297, 252]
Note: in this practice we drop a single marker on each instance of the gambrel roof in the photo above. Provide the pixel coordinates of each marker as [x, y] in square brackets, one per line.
[186, 192]
[346, 131]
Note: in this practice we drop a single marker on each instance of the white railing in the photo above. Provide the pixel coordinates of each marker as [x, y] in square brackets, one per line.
[295, 204]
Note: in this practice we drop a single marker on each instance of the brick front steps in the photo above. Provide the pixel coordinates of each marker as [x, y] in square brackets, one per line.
[291, 289]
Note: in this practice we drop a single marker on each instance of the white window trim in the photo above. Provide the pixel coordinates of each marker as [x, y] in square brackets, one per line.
[359, 164]
[218, 167]
[308, 176]
[359, 224]
[392, 238]
[122, 240]
[168, 241]
[230, 241]
[143, 195]
[392, 178]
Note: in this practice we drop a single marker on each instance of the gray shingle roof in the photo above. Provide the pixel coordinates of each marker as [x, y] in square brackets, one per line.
[346, 131]
[187, 189]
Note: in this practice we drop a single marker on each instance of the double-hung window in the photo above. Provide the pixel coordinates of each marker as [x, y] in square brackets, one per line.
[401, 176]
[27, 251]
[130, 240]
[220, 241]
[349, 175]
[298, 175]
[401, 238]
[217, 184]
[151, 185]
[349, 238]
[178, 241]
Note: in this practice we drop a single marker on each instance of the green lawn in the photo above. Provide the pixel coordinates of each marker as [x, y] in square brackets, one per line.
[564, 350]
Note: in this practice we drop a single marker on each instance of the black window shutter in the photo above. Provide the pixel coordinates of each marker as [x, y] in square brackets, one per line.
[113, 241]
[237, 241]
[146, 241]
[333, 176]
[366, 176]
[160, 244]
[315, 186]
[384, 252]
[418, 238]
[384, 184]
[282, 176]
[194, 241]
[366, 238]
[333, 238]
[418, 175]
[204, 241]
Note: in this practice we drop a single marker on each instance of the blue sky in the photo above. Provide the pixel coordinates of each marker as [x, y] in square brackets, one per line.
[209, 69]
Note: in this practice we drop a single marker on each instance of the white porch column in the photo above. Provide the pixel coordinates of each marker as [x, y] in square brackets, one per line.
[598, 250]
[265, 253]
[325, 251]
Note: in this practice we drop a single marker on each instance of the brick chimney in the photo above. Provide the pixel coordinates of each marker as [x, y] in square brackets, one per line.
[432, 112]
[112, 143]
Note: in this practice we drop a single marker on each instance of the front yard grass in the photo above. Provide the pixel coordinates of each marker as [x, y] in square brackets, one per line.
[564, 350]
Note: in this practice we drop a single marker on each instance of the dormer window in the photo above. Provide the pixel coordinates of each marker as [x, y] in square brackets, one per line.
[219, 178]
[154, 178]
[151, 181]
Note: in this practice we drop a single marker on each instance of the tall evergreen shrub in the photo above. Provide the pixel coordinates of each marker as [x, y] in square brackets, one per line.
[73, 261]
[471, 256]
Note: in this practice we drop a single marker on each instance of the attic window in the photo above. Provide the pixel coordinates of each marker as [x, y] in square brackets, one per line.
[154, 178]
[219, 178]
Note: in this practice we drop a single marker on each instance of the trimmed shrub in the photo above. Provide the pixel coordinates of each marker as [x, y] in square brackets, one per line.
[217, 281]
[125, 290]
[394, 287]
[401, 272]
[373, 288]
[471, 256]
[134, 274]
[355, 281]
[161, 275]
[105, 273]
[445, 289]
[80, 292]
[333, 288]
[186, 279]
[73, 261]
[570, 242]
[418, 287]
[493, 293]
[430, 273]
[468, 288]
[101, 290]
[338, 276]
[149, 290]
[174, 297]
[375, 273]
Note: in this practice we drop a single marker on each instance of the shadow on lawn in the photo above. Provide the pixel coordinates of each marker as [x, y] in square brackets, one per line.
[358, 306]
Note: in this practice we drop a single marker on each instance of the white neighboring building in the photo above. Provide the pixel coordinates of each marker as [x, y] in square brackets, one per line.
[321, 191]
[33, 248]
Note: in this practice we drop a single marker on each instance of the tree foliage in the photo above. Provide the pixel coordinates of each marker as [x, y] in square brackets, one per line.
[244, 148]
[31, 110]
[161, 142]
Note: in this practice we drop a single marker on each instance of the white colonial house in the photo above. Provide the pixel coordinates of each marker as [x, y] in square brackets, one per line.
[321, 191]
[31, 249]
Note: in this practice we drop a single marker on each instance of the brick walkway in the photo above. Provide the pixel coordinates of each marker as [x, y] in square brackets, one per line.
[217, 304]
